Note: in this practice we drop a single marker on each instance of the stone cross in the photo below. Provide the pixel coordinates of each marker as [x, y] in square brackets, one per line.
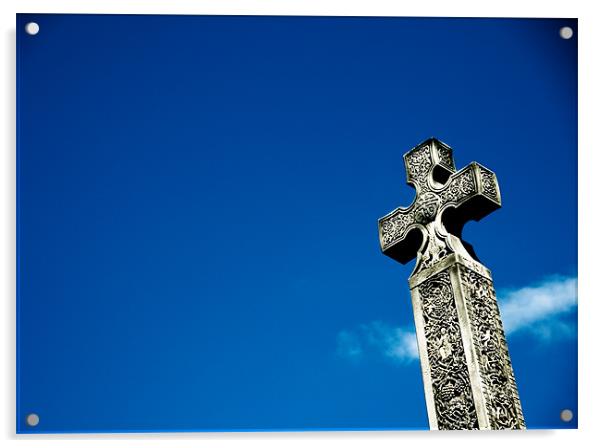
[468, 378]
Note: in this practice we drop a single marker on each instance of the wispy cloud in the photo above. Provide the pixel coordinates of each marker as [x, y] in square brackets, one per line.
[394, 343]
[541, 309]
[349, 345]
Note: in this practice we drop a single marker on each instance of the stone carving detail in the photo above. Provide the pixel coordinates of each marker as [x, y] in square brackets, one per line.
[428, 203]
[431, 197]
[454, 403]
[426, 207]
[395, 226]
[489, 184]
[419, 164]
[460, 186]
[434, 250]
[445, 157]
[499, 385]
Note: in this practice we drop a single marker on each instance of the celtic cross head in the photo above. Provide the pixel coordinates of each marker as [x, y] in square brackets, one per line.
[446, 199]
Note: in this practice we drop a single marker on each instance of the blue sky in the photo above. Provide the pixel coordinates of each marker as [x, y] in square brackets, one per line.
[197, 209]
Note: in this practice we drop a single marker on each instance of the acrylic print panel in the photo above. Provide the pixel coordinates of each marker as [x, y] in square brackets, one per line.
[198, 200]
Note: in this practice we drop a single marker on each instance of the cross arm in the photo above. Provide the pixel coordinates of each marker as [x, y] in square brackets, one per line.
[430, 158]
[400, 237]
[470, 194]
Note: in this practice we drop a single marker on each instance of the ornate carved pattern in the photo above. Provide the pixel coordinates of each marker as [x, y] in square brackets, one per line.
[499, 385]
[454, 403]
[434, 250]
[428, 203]
[418, 164]
[431, 197]
[426, 207]
[445, 157]
[395, 226]
[459, 187]
[489, 184]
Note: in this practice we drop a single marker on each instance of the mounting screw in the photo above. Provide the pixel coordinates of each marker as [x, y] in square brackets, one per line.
[32, 28]
[32, 420]
[566, 32]
[566, 415]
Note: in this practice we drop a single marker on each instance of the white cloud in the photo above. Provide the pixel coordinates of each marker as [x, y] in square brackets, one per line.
[539, 309]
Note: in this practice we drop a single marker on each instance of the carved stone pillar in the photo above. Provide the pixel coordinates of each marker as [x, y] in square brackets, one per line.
[468, 379]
